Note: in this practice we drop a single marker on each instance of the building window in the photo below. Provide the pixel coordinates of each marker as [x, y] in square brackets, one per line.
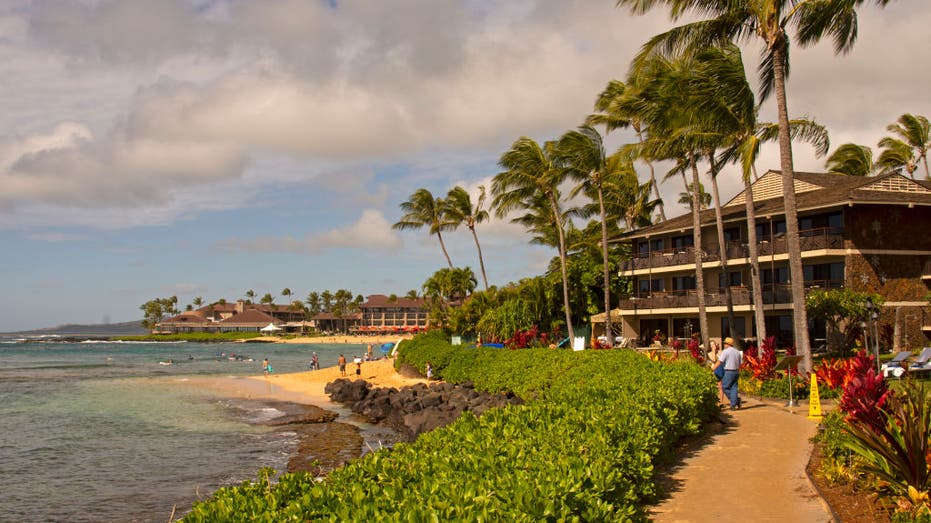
[656, 245]
[736, 278]
[778, 275]
[645, 285]
[683, 283]
[681, 243]
[732, 234]
[684, 327]
[827, 275]
[740, 327]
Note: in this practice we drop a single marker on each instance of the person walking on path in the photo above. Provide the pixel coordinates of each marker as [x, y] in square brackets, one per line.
[342, 365]
[731, 358]
[714, 356]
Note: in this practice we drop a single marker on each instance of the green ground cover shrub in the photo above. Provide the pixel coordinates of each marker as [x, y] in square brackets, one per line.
[583, 448]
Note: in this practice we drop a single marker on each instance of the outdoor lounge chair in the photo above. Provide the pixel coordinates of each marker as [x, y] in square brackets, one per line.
[893, 367]
[923, 362]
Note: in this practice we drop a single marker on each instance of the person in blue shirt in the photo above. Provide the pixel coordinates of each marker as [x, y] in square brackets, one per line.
[730, 358]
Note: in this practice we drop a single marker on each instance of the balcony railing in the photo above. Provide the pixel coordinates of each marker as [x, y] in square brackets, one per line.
[809, 239]
[714, 297]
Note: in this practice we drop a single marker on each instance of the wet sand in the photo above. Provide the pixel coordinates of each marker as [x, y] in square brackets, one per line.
[329, 434]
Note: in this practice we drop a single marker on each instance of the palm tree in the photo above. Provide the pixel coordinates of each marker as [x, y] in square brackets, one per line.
[582, 153]
[620, 106]
[460, 211]
[687, 197]
[530, 175]
[851, 159]
[286, 292]
[251, 295]
[422, 209]
[326, 299]
[198, 301]
[313, 304]
[267, 299]
[745, 150]
[672, 136]
[736, 20]
[625, 197]
[412, 294]
[910, 146]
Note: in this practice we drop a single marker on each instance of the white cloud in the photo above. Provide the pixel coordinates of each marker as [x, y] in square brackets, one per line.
[370, 232]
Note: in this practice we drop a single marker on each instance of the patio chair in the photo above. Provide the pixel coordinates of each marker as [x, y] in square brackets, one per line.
[923, 362]
[893, 367]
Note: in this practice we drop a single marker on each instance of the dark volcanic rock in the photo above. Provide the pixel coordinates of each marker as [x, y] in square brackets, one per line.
[416, 409]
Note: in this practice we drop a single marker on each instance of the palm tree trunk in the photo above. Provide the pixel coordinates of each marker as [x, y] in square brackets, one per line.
[756, 289]
[799, 314]
[924, 160]
[443, 246]
[562, 266]
[662, 213]
[697, 250]
[609, 333]
[722, 247]
[481, 261]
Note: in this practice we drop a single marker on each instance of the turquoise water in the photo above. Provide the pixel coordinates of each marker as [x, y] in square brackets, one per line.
[86, 434]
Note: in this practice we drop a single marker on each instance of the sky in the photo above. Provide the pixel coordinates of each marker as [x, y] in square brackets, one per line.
[209, 147]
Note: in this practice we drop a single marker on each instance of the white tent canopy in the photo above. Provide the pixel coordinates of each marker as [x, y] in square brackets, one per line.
[271, 327]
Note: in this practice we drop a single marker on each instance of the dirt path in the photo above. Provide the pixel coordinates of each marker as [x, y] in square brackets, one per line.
[752, 470]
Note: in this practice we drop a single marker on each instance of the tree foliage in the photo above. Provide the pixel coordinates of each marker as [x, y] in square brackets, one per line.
[842, 310]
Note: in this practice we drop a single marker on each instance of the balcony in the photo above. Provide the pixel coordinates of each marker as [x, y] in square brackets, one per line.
[809, 239]
[716, 297]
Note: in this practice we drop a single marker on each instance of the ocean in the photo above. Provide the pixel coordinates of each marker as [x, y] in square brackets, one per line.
[101, 431]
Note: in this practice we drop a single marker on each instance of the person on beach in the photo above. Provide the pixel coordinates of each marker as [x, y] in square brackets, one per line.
[714, 355]
[730, 359]
[266, 367]
[358, 361]
[342, 365]
[314, 362]
[370, 354]
[429, 371]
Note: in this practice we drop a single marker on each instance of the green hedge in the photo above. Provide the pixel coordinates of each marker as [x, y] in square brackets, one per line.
[583, 450]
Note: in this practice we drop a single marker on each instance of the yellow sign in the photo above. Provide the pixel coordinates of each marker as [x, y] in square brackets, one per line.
[814, 401]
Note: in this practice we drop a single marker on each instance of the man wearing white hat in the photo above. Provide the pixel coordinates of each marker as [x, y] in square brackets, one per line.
[731, 359]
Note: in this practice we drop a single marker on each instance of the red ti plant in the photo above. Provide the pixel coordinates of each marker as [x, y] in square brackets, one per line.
[763, 366]
[695, 351]
[523, 338]
[864, 393]
[833, 373]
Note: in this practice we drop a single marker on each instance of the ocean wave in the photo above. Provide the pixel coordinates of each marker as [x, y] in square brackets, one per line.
[119, 342]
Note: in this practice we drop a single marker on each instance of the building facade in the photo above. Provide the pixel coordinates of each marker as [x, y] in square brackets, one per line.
[861, 233]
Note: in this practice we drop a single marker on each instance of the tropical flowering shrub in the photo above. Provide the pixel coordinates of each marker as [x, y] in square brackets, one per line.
[695, 350]
[762, 366]
[659, 337]
[864, 393]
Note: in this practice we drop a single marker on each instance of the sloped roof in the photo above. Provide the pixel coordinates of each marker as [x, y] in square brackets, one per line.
[820, 190]
[251, 316]
[380, 300]
[187, 317]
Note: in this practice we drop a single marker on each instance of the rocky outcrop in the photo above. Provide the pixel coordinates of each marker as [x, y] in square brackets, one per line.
[417, 409]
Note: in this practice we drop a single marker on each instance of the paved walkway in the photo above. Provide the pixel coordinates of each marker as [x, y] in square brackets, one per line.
[753, 470]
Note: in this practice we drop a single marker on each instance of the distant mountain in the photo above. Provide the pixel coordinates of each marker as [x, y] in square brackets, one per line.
[127, 328]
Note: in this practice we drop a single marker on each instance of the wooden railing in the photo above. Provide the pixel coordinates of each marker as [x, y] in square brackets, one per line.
[740, 295]
[809, 240]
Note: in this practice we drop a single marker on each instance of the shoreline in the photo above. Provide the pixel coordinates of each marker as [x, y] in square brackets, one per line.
[357, 339]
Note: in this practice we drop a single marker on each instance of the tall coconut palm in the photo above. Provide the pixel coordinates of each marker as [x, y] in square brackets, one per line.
[460, 211]
[582, 153]
[423, 210]
[851, 159]
[687, 197]
[326, 300]
[673, 137]
[531, 173]
[620, 106]
[198, 301]
[286, 292]
[908, 146]
[745, 150]
[251, 295]
[314, 305]
[625, 197]
[738, 20]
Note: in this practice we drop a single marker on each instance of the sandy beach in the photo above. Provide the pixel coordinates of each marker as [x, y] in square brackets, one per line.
[303, 387]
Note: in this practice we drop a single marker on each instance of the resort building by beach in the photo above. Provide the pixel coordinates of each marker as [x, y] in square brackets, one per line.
[382, 313]
[235, 317]
[862, 233]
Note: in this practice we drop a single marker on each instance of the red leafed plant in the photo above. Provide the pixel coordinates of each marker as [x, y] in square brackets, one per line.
[523, 338]
[864, 393]
[763, 365]
[695, 351]
[833, 373]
